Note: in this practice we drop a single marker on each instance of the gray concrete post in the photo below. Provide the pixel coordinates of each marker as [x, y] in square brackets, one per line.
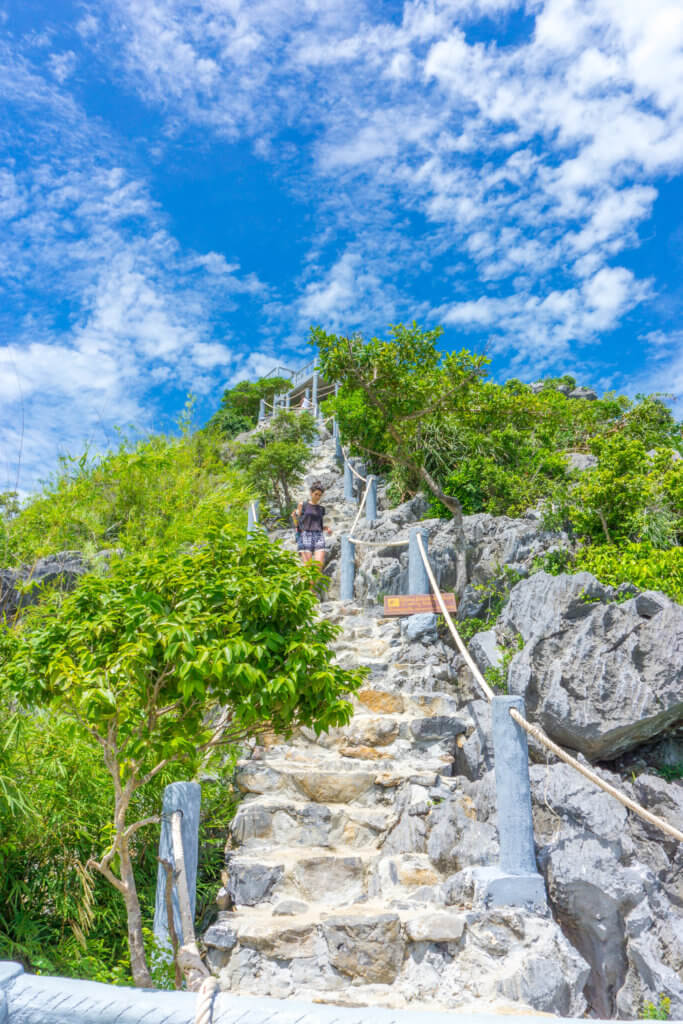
[252, 517]
[262, 410]
[338, 453]
[348, 568]
[288, 400]
[371, 500]
[314, 397]
[336, 389]
[348, 483]
[185, 797]
[513, 793]
[418, 581]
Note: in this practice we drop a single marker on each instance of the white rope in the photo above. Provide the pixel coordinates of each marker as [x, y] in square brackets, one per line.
[206, 995]
[354, 471]
[537, 733]
[446, 614]
[360, 509]
[646, 815]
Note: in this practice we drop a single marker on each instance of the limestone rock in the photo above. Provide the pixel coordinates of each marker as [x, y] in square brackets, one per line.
[496, 541]
[370, 948]
[485, 650]
[63, 568]
[600, 677]
[250, 883]
[580, 460]
[587, 394]
[436, 927]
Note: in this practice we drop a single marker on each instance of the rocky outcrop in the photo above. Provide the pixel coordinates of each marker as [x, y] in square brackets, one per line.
[601, 677]
[62, 569]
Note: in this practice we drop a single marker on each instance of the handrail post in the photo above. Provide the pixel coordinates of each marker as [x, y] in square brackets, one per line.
[262, 410]
[314, 397]
[185, 797]
[516, 881]
[288, 400]
[252, 517]
[418, 580]
[348, 568]
[348, 483]
[371, 500]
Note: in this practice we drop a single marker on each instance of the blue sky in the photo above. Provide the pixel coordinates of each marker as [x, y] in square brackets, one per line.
[186, 187]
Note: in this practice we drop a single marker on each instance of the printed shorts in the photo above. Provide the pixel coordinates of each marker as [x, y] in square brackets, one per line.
[310, 540]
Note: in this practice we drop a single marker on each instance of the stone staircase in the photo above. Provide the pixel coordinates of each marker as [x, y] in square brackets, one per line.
[349, 864]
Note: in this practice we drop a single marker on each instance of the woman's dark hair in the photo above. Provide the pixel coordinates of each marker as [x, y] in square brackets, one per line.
[317, 486]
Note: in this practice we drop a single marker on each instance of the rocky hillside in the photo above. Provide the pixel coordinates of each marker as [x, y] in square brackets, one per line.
[350, 870]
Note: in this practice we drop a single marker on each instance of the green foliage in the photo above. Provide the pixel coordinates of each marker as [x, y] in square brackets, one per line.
[160, 492]
[275, 459]
[169, 656]
[661, 1010]
[647, 567]
[240, 405]
[671, 772]
[629, 495]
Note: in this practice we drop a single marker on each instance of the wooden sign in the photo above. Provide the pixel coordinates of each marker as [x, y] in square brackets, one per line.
[412, 604]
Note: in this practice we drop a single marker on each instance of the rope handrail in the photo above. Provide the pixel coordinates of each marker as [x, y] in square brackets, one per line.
[533, 730]
[447, 616]
[354, 471]
[254, 512]
[641, 811]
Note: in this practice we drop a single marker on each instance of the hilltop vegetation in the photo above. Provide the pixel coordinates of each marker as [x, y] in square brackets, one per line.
[436, 422]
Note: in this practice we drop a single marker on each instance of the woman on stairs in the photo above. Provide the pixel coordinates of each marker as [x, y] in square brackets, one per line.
[310, 531]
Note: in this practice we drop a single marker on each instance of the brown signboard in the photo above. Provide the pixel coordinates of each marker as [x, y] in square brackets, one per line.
[412, 604]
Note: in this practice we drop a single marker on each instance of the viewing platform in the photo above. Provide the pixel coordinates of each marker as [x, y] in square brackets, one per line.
[307, 385]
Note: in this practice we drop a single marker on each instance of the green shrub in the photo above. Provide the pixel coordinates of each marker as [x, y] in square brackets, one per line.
[647, 567]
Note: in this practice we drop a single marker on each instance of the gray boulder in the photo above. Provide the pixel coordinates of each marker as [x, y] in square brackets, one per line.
[62, 569]
[600, 677]
[608, 885]
[586, 393]
[497, 541]
[580, 460]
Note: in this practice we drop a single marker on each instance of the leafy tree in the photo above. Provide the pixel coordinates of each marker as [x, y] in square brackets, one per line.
[394, 392]
[166, 660]
[240, 405]
[275, 459]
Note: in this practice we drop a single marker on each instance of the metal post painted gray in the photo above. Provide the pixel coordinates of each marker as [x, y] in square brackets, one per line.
[516, 882]
[252, 517]
[348, 568]
[348, 483]
[315, 393]
[513, 793]
[418, 581]
[261, 410]
[371, 500]
[185, 797]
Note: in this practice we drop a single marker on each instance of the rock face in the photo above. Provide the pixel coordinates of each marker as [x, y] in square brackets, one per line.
[601, 677]
[63, 568]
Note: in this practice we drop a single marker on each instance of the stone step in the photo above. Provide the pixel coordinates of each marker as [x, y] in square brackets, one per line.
[366, 944]
[334, 780]
[398, 734]
[339, 877]
[262, 822]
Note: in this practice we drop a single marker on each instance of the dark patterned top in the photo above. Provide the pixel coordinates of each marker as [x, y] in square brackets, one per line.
[311, 517]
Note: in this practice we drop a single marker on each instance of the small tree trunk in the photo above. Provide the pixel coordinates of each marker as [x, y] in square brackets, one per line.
[138, 959]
